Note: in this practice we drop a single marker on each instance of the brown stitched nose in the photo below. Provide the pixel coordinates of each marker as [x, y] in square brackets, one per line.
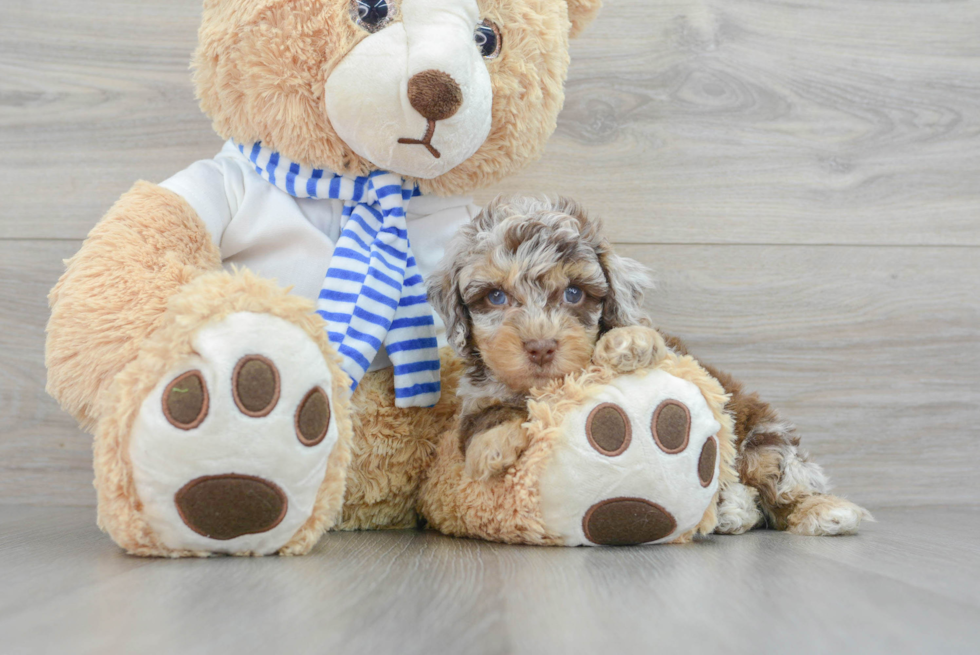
[542, 351]
[435, 95]
[223, 507]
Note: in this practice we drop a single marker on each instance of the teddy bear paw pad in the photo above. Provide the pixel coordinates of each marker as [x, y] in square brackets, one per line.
[636, 463]
[230, 450]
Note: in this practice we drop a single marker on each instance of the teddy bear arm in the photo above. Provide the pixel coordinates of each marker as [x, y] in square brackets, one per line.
[115, 289]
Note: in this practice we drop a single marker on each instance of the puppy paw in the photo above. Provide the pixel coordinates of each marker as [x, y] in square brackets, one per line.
[738, 509]
[627, 349]
[824, 515]
[492, 452]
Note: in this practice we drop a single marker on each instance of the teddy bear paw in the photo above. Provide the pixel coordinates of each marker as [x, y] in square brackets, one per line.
[628, 349]
[638, 463]
[230, 449]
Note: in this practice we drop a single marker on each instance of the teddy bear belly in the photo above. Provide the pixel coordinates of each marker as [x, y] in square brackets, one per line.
[637, 463]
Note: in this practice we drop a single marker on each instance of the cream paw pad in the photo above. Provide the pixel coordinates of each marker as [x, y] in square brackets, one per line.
[637, 463]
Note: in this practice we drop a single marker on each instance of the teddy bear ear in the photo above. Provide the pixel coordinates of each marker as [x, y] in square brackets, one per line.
[582, 13]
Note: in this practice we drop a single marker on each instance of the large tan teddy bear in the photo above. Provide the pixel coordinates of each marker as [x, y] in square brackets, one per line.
[213, 327]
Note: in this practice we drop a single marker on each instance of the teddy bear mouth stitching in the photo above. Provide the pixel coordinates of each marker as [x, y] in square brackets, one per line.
[426, 140]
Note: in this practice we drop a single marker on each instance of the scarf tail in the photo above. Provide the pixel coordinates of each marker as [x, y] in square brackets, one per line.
[412, 345]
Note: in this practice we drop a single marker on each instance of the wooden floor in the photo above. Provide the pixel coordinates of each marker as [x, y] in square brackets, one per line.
[909, 584]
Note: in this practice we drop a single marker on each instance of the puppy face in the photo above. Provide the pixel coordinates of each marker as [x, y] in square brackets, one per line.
[528, 288]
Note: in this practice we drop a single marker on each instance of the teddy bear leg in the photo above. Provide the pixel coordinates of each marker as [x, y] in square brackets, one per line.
[230, 430]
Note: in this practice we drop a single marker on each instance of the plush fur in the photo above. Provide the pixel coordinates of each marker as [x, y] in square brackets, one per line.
[115, 290]
[387, 468]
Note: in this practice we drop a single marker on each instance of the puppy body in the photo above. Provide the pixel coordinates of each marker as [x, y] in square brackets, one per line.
[531, 291]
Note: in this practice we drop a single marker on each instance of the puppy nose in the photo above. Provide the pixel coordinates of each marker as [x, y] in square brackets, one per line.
[542, 351]
[435, 95]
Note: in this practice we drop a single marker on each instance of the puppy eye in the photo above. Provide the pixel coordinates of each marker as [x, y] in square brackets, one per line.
[371, 15]
[497, 297]
[488, 39]
[574, 295]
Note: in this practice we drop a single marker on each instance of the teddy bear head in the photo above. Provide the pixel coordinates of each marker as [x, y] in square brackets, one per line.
[455, 94]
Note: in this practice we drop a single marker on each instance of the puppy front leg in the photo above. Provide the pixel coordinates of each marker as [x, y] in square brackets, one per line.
[492, 452]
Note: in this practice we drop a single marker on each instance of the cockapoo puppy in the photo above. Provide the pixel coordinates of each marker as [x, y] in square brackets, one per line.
[531, 291]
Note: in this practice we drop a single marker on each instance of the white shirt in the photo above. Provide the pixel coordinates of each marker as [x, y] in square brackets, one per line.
[291, 240]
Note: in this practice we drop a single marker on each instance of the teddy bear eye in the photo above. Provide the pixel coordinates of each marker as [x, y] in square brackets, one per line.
[497, 297]
[372, 15]
[488, 39]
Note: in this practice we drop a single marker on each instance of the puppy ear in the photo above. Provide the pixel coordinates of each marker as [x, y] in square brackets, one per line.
[445, 297]
[582, 13]
[628, 279]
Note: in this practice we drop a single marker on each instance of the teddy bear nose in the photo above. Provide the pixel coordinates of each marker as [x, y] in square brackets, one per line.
[434, 94]
[542, 351]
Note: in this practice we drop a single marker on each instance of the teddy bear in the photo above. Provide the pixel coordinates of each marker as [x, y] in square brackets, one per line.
[250, 341]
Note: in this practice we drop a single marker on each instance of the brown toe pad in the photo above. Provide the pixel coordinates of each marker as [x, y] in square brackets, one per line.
[313, 418]
[671, 426]
[707, 461]
[608, 429]
[256, 385]
[185, 401]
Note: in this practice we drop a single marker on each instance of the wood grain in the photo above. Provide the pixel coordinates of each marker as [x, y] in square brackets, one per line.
[693, 121]
[874, 352]
[67, 588]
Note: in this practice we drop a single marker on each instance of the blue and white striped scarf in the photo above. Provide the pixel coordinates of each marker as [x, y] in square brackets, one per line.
[373, 295]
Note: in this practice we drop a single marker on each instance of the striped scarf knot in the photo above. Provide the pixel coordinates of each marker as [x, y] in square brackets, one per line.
[373, 295]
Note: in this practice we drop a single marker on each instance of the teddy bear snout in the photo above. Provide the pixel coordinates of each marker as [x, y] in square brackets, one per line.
[435, 95]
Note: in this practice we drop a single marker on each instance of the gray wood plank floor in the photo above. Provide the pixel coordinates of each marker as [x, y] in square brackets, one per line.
[908, 584]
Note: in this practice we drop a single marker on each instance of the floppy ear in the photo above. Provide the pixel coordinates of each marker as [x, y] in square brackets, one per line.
[627, 280]
[581, 13]
[445, 297]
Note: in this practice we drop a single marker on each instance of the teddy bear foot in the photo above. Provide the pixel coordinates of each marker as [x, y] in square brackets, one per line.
[638, 463]
[230, 448]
